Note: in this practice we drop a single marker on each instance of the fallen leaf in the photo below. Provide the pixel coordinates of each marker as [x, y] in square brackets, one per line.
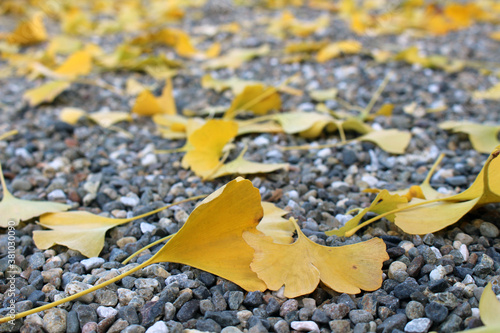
[336, 49]
[206, 146]
[79, 63]
[489, 308]
[256, 98]
[392, 141]
[384, 202]
[147, 104]
[300, 266]
[105, 119]
[493, 93]
[274, 225]
[235, 84]
[211, 239]
[16, 210]
[484, 138]
[241, 166]
[46, 93]
[237, 57]
[29, 32]
[322, 95]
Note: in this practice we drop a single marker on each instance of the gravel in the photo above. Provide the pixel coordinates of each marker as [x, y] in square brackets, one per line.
[431, 282]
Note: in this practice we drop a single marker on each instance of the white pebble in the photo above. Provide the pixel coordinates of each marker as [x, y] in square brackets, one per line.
[325, 152]
[475, 312]
[56, 195]
[292, 194]
[437, 273]
[130, 200]
[338, 184]
[465, 252]
[149, 159]
[158, 327]
[92, 263]
[468, 280]
[436, 252]
[261, 141]
[308, 326]
[106, 311]
[370, 180]
[147, 227]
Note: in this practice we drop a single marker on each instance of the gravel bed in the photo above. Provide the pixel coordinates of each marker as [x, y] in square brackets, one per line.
[431, 282]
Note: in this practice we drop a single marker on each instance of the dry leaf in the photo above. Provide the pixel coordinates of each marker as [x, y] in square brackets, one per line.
[274, 225]
[334, 50]
[105, 119]
[29, 32]
[147, 104]
[392, 141]
[236, 57]
[207, 144]
[322, 95]
[241, 166]
[493, 93]
[384, 202]
[211, 239]
[301, 265]
[484, 138]
[79, 63]
[256, 98]
[16, 210]
[235, 84]
[46, 93]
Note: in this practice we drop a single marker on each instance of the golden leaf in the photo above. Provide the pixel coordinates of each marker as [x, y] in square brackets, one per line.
[46, 93]
[256, 98]
[334, 50]
[300, 266]
[484, 138]
[236, 57]
[79, 63]
[14, 210]
[147, 104]
[207, 143]
[29, 32]
[275, 226]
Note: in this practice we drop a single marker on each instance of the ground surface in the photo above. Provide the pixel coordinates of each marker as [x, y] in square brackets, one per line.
[433, 281]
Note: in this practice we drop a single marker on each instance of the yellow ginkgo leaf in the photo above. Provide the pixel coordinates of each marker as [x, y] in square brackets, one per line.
[14, 210]
[79, 63]
[237, 57]
[489, 311]
[103, 118]
[256, 98]
[147, 104]
[336, 49]
[300, 266]
[241, 166]
[484, 138]
[46, 93]
[493, 93]
[322, 95]
[274, 225]
[495, 35]
[81, 230]
[391, 140]
[29, 32]
[207, 144]
[382, 203]
[211, 239]
[235, 84]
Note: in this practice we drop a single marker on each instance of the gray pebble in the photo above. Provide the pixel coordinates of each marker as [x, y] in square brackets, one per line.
[418, 325]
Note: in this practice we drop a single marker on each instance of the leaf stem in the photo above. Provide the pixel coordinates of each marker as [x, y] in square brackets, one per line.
[427, 179]
[163, 208]
[77, 295]
[327, 145]
[366, 111]
[7, 134]
[6, 192]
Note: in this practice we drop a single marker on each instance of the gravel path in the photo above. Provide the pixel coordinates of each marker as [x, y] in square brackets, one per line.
[431, 282]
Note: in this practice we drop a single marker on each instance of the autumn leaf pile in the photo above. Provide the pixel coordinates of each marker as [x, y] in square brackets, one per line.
[268, 251]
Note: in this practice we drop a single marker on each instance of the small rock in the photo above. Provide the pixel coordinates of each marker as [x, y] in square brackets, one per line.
[235, 299]
[130, 200]
[158, 327]
[207, 325]
[90, 327]
[54, 320]
[149, 159]
[253, 299]
[147, 227]
[464, 238]
[92, 263]
[188, 310]
[20, 185]
[436, 312]
[223, 318]
[340, 326]
[360, 316]
[418, 325]
[106, 312]
[336, 311]
[129, 314]
[289, 306]
[56, 195]
[452, 324]
[281, 326]
[146, 283]
[397, 321]
[75, 287]
[308, 326]
[414, 310]
[134, 329]
[488, 229]
[86, 314]
[438, 273]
